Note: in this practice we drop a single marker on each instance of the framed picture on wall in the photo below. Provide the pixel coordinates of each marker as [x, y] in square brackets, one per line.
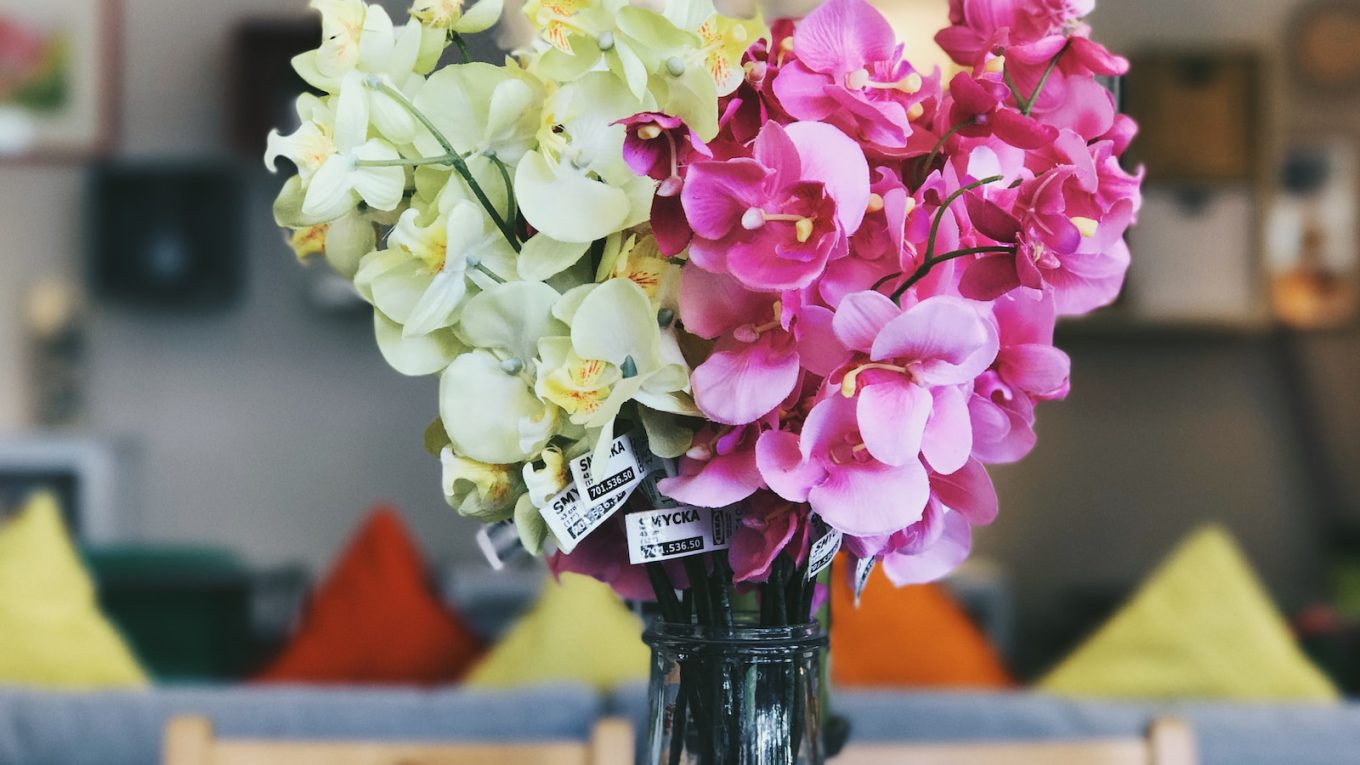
[1179, 98]
[1312, 241]
[58, 77]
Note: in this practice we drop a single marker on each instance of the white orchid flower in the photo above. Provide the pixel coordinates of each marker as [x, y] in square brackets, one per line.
[575, 187]
[617, 354]
[477, 490]
[481, 109]
[510, 320]
[331, 156]
[450, 16]
[422, 279]
[415, 356]
[490, 412]
[357, 37]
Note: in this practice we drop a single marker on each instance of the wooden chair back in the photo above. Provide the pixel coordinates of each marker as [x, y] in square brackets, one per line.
[191, 741]
[1168, 742]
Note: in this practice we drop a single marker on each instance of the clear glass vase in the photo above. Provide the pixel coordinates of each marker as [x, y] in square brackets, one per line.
[735, 696]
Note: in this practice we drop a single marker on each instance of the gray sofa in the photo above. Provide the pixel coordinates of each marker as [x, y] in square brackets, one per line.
[124, 728]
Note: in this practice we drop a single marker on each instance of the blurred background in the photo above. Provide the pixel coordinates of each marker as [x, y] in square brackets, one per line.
[193, 394]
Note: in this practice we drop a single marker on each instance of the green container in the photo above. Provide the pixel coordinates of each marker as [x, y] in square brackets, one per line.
[184, 610]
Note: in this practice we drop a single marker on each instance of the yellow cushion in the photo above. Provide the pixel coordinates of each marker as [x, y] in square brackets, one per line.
[578, 631]
[51, 632]
[1201, 626]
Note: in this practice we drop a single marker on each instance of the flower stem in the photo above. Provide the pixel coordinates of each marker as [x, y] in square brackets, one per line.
[929, 264]
[492, 275]
[939, 219]
[455, 159]
[417, 162]
[1028, 105]
[513, 214]
[462, 47]
[939, 145]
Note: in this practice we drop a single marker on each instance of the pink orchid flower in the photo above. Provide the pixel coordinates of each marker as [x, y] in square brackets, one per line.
[934, 546]
[981, 28]
[1082, 259]
[764, 344]
[658, 146]
[910, 394]
[848, 71]
[719, 470]
[829, 467]
[978, 107]
[774, 220]
[769, 526]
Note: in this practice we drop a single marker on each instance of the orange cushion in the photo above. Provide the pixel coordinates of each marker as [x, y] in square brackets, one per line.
[914, 637]
[375, 620]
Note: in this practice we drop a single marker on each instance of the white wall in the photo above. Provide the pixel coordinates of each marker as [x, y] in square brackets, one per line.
[268, 428]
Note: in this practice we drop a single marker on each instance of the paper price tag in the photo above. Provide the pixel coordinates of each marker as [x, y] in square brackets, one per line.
[823, 552]
[499, 542]
[863, 569]
[657, 535]
[571, 520]
[622, 472]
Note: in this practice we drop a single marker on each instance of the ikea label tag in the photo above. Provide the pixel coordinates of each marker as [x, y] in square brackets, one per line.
[678, 532]
[823, 552]
[572, 520]
[863, 569]
[622, 472]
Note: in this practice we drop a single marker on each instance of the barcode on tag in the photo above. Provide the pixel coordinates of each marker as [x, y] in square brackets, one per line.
[571, 520]
[622, 472]
[657, 535]
[499, 542]
[863, 569]
[823, 552]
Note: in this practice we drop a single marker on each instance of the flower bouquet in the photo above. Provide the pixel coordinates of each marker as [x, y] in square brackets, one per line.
[710, 300]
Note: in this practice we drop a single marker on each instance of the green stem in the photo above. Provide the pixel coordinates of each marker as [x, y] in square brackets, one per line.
[513, 214]
[929, 264]
[1028, 105]
[950, 200]
[455, 159]
[939, 145]
[418, 162]
[492, 275]
[462, 47]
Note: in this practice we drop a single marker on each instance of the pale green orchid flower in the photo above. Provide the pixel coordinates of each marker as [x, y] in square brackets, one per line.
[510, 320]
[342, 242]
[547, 476]
[357, 37]
[575, 187]
[481, 109]
[421, 281]
[616, 324]
[477, 490]
[724, 39]
[330, 158]
[533, 530]
[415, 356]
[490, 413]
[639, 259]
[449, 16]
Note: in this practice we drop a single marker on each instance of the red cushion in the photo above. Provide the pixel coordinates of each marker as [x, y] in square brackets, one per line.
[375, 620]
[913, 637]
